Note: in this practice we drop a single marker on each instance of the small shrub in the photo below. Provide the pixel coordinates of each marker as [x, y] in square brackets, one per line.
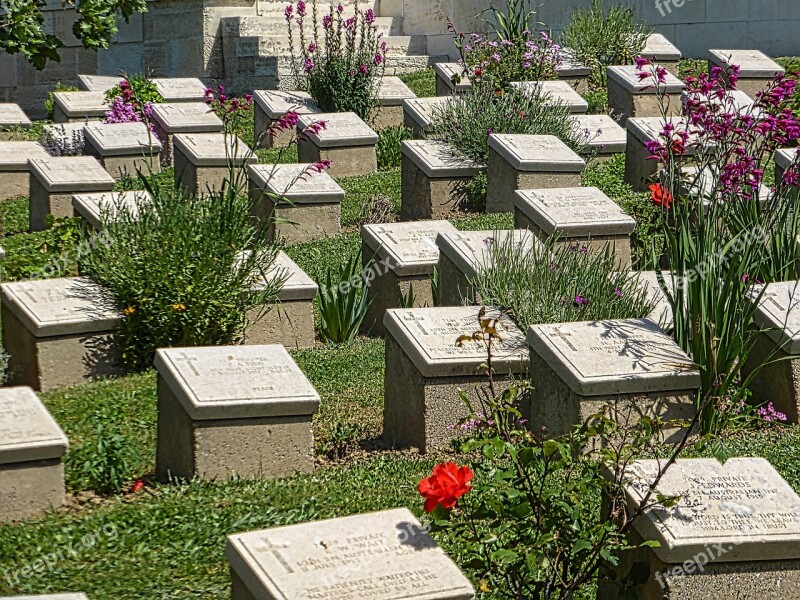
[467, 124]
[343, 302]
[388, 149]
[136, 88]
[50, 103]
[378, 209]
[235, 113]
[600, 37]
[59, 140]
[341, 68]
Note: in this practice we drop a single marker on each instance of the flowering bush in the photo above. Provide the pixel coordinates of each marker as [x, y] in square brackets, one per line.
[132, 100]
[60, 140]
[725, 233]
[233, 112]
[342, 68]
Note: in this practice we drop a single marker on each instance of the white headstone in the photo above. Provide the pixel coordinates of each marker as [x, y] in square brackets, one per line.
[213, 149]
[379, 556]
[536, 153]
[658, 47]
[661, 314]
[410, 248]
[14, 156]
[27, 431]
[557, 92]
[98, 83]
[569, 66]
[752, 63]
[77, 105]
[11, 115]
[297, 284]
[439, 159]
[121, 139]
[186, 117]
[95, 207]
[471, 251]
[627, 77]
[68, 306]
[450, 71]
[602, 358]
[71, 174]
[181, 89]
[235, 382]
[423, 110]
[277, 103]
[297, 183]
[600, 133]
[783, 157]
[392, 91]
[342, 129]
[778, 313]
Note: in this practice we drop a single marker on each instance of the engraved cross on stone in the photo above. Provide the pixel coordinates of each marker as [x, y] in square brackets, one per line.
[275, 550]
[418, 320]
[388, 235]
[189, 360]
[775, 302]
[565, 337]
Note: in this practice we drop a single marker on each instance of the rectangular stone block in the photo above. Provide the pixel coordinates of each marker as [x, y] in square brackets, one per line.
[124, 149]
[98, 83]
[584, 215]
[557, 93]
[97, 209]
[602, 136]
[307, 203]
[402, 258]
[205, 163]
[528, 162]
[183, 117]
[571, 70]
[233, 411]
[434, 177]
[12, 116]
[31, 474]
[630, 96]
[733, 533]
[639, 170]
[77, 107]
[419, 114]
[658, 49]
[450, 79]
[289, 322]
[426, 368]
[392, 92]
[785, 159]
[270, 106]
[181, 89]
[624, 368]
[58, 332]
[54, 180]
[756, 69]
[14, 172]
[377, 556]
[346, 141]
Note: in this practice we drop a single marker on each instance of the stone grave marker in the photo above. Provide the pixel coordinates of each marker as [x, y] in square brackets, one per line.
[639, 171]
[31, 447]
[419, 113]
[291, 321]
[77, 107]
[270, 106]
[734, 533]
[124, 149]
[661, 314]
[392, 92]
[307, 203]
[574, 72]
[203, 161]
[556, 92]
[425, 369]
[100, 207]
[401, 258]
[54, 180]
[183, 117]
[630, 96]
[658, 49]
[520, 162]
[626, 368]
[450, 79]
[582, 215]
[756, 69]
[11, 118]
[181, 89]
[98, 83]
[463, 255]
[233, 411]
[58, 332]
[347, 142]
[384, 555]
[602, 136]
[434, 177]
[15, 176]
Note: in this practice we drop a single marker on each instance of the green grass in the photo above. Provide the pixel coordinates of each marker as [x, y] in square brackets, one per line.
[358, 191]
[422, 83]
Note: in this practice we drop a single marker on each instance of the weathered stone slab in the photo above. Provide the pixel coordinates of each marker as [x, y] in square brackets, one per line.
[419, 114]
[450, 79]
[434, 176]
[98, 83]
[53, 181]
[425, 369]
[661, 314]
[639, 170]
[528, 162]
[658, 49]
[556, 92]
[734, 533]
[99, 208]
[205, 162]
[402, 258]
[181, 89]
[307, 203]
[58, 332]
[76, 107]
[124, 149]
[574, 72]
[233, 411]
[183, 117]
[463, 255]
[392, 91]
[602, 136]
[291, 321]
[346, 141]
[582, 214]
[756, 69]
[14, 171]
[12, 116]
[630, 96]
[377, 556]
[270, 106]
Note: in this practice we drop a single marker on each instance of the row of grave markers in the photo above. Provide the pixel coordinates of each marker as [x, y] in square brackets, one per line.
[744, 506]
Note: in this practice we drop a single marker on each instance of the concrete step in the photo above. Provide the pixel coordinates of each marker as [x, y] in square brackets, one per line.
[276, 25]
[253, 46]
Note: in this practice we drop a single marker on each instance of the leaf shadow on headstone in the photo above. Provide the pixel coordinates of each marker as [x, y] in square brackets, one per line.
[102, 356]
[411, 534]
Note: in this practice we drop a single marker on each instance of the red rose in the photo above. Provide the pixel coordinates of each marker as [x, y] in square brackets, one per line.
[661, 196]
[137, 486]
[447, 484]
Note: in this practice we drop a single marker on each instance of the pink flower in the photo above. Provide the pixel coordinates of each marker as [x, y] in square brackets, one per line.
[363, 69]
[340, 8]
[288, 12]
[769, 414]
[301, 8]
[369, 16]
[321, 166]
[378, 59]
[308, 65]
[312, 47]
[327, 21]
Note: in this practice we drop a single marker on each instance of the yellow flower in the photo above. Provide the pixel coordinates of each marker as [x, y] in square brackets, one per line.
[179, 307]
[129, 311]
[483, 586]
